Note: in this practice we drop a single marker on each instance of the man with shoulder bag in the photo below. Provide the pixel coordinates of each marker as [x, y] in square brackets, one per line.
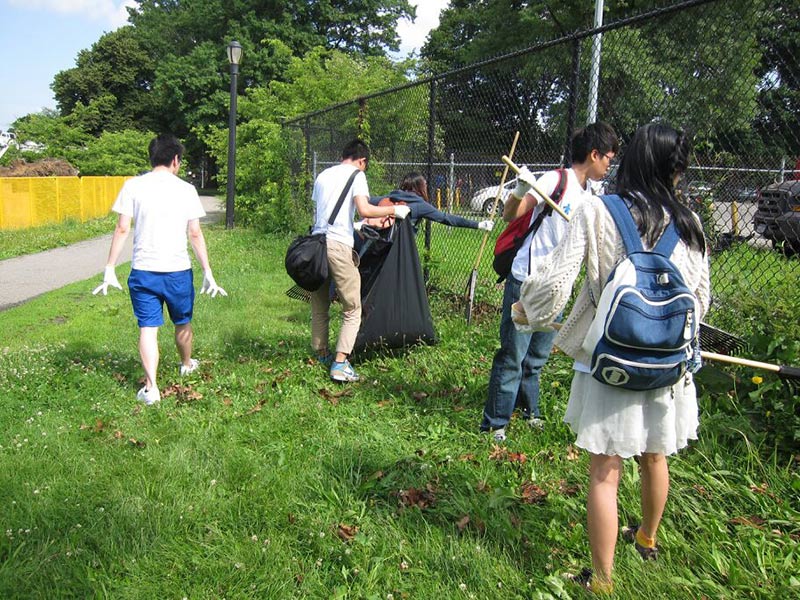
[338, 227]
[514, 379]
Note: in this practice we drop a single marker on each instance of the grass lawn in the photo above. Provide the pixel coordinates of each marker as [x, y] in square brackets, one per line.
[258, 477]
[16, 242]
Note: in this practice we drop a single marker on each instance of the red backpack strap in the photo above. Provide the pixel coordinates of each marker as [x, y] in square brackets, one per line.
[561, 186]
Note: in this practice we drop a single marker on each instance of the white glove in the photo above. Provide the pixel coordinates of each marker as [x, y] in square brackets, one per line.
[525, 181]
[401, 211]
[210, 286]
[486, 225]
[109, 279]
[358, 225]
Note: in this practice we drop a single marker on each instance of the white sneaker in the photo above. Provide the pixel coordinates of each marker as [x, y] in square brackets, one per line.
[499, 435]
[149, 397]
[193, 364]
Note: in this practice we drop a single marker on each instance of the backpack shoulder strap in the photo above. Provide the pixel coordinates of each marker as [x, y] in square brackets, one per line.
[561, 186]
[340, 201]
[624, 221]
[669, 239]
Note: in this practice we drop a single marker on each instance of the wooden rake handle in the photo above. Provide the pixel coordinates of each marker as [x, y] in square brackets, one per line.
[496, 201]
[735, 360]
[536, 189]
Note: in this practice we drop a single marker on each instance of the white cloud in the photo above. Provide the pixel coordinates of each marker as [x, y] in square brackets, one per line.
[111, 12]
[413, 35]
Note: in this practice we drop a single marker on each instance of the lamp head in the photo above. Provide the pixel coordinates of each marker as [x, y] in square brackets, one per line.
[234, 52]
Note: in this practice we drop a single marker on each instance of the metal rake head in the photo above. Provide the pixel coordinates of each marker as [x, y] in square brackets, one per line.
[297, 293]
[721, 342]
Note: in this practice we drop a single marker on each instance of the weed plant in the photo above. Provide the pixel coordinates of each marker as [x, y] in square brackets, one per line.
[258, 477]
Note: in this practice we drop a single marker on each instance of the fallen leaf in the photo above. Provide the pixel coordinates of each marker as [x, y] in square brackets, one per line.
[573, 453]
[291, 518]
[501, 453]
[119, 377]
[419, 396]
[99, 426]
[567, 489]
[333, 397]
[227, 401]
[136, 443]
[346, 532]
[462, 522]
[532, 493]
[118, 434]
[383, 403]
[257, 407]
[482, 486]
[752, 521]
[422, 499]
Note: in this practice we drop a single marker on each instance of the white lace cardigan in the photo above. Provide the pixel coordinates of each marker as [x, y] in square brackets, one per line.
[592, 239]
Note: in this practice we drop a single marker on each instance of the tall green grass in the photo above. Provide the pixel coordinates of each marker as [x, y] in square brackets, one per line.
[257, 477]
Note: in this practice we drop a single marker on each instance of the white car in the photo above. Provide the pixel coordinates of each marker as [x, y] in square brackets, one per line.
[483, 200]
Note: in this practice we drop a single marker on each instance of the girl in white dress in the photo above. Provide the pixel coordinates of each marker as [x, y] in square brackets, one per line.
[612, 423]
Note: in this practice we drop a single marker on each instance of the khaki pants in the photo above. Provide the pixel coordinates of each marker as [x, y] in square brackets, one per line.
[343, 270]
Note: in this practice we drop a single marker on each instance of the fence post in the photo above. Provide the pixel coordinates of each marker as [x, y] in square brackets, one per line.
[572, 106]
[307, 136]
[431, 140]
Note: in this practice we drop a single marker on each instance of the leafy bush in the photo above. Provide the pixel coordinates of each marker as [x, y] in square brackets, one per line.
[768, 322]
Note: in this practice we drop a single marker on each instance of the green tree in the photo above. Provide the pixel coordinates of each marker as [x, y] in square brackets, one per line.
[168, 70]
[114, 153]
[266, 151]
[779, 73]
[60, 138]
[110, 86]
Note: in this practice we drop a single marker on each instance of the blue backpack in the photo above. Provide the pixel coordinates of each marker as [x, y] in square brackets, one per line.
[644, 332]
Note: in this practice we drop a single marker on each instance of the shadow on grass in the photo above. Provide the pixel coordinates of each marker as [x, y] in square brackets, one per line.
[124, 369]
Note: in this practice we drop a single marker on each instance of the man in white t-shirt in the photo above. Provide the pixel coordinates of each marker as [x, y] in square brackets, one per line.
[342, 259]
[166, 212]
[514, 379]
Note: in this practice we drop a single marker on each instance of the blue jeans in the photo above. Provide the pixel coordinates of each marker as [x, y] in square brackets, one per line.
[516, 366]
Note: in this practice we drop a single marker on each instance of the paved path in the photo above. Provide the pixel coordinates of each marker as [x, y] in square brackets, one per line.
[26, 277]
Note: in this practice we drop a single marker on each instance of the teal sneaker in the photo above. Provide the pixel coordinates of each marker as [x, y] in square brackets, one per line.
[343, 371]
[326, 359]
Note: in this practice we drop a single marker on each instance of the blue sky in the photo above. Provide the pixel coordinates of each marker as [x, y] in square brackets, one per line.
[42, 37]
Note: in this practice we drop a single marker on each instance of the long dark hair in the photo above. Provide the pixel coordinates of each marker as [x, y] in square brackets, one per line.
[655, 155]
[415, 182]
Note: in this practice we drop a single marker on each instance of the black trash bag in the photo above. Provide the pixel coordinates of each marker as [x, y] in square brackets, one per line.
[394, 312]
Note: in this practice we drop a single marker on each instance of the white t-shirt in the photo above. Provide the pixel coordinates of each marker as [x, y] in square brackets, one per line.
[553, 227]
[327, 189]
[161, 205]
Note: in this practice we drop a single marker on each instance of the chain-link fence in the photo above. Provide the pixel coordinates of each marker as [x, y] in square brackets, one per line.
[719, 69]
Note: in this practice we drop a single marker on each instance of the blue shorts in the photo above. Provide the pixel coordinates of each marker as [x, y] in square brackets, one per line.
[151, 290]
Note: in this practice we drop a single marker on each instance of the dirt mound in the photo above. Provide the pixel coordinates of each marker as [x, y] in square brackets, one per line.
[48, 167]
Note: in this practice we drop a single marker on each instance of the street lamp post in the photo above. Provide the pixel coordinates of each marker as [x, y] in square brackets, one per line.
[234, 56]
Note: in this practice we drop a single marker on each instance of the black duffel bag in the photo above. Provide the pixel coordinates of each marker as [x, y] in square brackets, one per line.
[307, 261]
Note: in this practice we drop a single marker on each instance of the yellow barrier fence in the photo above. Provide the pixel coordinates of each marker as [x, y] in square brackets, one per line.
[31, 201]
